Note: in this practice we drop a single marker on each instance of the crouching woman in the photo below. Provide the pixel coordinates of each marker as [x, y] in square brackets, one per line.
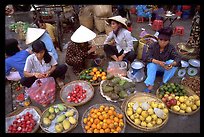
[41, 64]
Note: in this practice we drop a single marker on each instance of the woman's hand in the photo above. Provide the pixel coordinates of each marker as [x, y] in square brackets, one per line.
[93, 49]
[120, 58]
[39, 75]
[168, 66]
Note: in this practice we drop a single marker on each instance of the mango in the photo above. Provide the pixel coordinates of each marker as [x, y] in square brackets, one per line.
[69, 113]
[66, 124]
[61, 107]
[51, 110]
[72, 120]
[61, 118]
[46, 121]
[59, 128]
[57, 110]
[51, 116]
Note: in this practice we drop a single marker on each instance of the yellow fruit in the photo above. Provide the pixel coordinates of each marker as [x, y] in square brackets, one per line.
[129, 112]
[194, 107]
[150, 111]
[144, 114]
[176, 108]
[159, 121]
[183, 106]
[142, 118]
[197, 103]
[154, 104]
[148, 119]
[94, 69]
[94, 78]
[103, 73]
[188, 102]
[196, 97]
[139, 110]
[154, 117]
[103, 77]
[136, 115]
[85, 120]
[132, 117]
[143, 123]
[137, 121]
[188, 109]
[91, 73]
[181, 99]
[149, 125]
[153, 122]
[130, 104]
[177, 97]
[182, 111]
[166, 110]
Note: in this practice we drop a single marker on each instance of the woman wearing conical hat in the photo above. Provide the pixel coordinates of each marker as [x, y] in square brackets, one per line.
[34, 34]
[79, 49]
[119, 43]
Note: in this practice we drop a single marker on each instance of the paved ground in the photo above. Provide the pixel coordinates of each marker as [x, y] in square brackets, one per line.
[175, 124]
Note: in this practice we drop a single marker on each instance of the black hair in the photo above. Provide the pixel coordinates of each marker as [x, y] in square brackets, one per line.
[38, 46]
[37, 22]
[11, 47]
[166, 31]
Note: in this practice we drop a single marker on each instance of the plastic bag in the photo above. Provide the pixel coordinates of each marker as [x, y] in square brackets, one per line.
[42, 91]
[117, 68]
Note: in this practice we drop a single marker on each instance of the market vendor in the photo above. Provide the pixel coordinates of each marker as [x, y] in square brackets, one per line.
[119, 43]
[34, 34]
[162, 57]
[15, 59]
[79, 49]
[50, 29]
[42, 64]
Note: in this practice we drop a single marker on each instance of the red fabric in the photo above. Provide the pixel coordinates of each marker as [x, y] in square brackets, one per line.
[157, 24]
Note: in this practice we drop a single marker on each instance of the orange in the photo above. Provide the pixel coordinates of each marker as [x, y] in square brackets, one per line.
[107, 130]
[92, 110]
[98, 75]
[89, 131]
[88, 123]
[101, 117]
[108, 121]
[106, 108]
[94, 77]
[116, 119]
[96, 121]
[96, 131]
[111, 126]
[94, 69]
[102, 131]
[106, 116]
[93, 126]
[103, 73]
[85, 120]
[98, 72]
[100, 109]
[103, 77]
[112, 108]
[91, 120]
[98, 126]
[91, 73]
[98, 113]
[115, 124]
[121, 124]
[105, 126]
[102, 106]
[86, 127]
[118, 129]
[110, 112]
[120, 116]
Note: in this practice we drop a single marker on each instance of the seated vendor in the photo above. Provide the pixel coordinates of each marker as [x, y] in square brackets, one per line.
[15, 59]
[119, 43]
[163, 57]
[79, 49]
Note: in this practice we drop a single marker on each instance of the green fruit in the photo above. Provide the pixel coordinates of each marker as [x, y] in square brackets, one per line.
[47, 114]
[57, 110]
[61, 118]
[69, 113]
[61, 107]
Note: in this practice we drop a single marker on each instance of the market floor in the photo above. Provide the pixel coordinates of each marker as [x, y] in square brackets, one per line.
[176, 123]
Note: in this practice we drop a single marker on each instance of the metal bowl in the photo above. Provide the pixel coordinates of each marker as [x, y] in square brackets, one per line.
[137, 65]
[181, 73]
[184, 64]
[194, 62]
[192, 71]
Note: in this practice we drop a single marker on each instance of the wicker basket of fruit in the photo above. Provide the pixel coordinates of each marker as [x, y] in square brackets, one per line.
[94, 75]
[76, 93]
[103, 118]
[179, 99]
[116, 88]
[59, 118]
[23, 120]
[145, 112]
[193, 83]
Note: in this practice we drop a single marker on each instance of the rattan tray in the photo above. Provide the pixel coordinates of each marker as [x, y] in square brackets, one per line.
[118, 110]
[142, 97]
[69, 87]
[195, 88]
[48, 130]
[18, 111]
[189, 92]
[107, 97]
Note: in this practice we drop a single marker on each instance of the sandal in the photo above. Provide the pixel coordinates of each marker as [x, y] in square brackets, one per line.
[147, 90]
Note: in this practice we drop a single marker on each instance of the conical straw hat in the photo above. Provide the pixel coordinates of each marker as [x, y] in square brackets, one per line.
[118, 19]
[33, 34]
[82, 34]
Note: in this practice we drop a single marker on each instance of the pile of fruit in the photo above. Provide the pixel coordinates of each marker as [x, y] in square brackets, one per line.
[147, 114]
[77, 95]
[22, 124]
[103, 119]
[59, 116]
[93, 75]
[179, 101]
[117, 88]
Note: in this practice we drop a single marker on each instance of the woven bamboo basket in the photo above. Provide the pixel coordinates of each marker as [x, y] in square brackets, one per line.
[189, 83]
[76, 116]
[18, 111]
[142, 97]
[118, 110]
[187, 53]
[69, 87]
[189, 93]
[100, 23]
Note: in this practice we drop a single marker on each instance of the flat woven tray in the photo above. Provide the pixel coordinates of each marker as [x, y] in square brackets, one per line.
[18, 111]
[69, 87]
[189, 93]
[76, 116]
[189, 81]
[142, 97]
[118, 110]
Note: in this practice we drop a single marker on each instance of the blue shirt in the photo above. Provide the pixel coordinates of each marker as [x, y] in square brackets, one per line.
[16, 61]
[49, 44]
